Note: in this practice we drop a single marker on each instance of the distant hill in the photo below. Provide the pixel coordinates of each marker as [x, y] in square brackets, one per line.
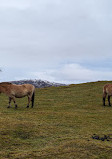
[38, 83]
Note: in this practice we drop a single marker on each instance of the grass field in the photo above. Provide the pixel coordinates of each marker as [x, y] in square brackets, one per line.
[60, 125]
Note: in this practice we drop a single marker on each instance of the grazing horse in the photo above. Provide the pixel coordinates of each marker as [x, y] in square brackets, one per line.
[18, 91]
[107, 90]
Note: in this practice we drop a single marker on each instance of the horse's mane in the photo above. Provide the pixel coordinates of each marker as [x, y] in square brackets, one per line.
[5, 83]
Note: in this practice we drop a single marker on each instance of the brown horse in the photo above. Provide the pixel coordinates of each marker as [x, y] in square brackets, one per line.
[18, 91]
[107, 90]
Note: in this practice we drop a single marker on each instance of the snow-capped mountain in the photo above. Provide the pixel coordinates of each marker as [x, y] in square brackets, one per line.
[38, 83]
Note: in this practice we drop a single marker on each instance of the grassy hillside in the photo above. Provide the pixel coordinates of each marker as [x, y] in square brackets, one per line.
[61, 125]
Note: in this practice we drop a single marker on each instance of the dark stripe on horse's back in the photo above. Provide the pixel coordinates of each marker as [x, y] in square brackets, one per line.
[7, 83]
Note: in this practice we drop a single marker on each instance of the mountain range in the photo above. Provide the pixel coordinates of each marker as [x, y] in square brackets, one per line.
[38, 83]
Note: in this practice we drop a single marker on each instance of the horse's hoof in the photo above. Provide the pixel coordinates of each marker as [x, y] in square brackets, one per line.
[27, 107]
[16, 106]
[8, 107]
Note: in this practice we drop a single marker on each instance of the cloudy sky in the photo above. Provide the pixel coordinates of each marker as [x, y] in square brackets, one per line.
[66, 41]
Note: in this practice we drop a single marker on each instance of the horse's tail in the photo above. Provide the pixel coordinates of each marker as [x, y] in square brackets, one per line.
[104, 91]
[33, 97]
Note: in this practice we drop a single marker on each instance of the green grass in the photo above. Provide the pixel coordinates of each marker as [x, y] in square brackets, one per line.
[60, 125]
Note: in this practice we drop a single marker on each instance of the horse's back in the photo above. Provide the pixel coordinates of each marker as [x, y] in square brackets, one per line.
[29, 86]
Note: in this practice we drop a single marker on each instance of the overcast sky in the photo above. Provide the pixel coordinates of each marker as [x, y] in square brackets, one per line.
[66, 41]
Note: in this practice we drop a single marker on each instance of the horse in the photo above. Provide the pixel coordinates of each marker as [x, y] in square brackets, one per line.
[107, 90]
[18, 91]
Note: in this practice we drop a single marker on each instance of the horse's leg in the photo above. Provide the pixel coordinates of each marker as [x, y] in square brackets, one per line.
[14, 102]
[29, 99]
[109, 100]
[104, 97]
[9, 102]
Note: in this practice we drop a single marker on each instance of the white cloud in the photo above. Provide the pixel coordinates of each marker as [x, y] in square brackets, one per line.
[73, 73]
[44, 36]
[15, 4]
